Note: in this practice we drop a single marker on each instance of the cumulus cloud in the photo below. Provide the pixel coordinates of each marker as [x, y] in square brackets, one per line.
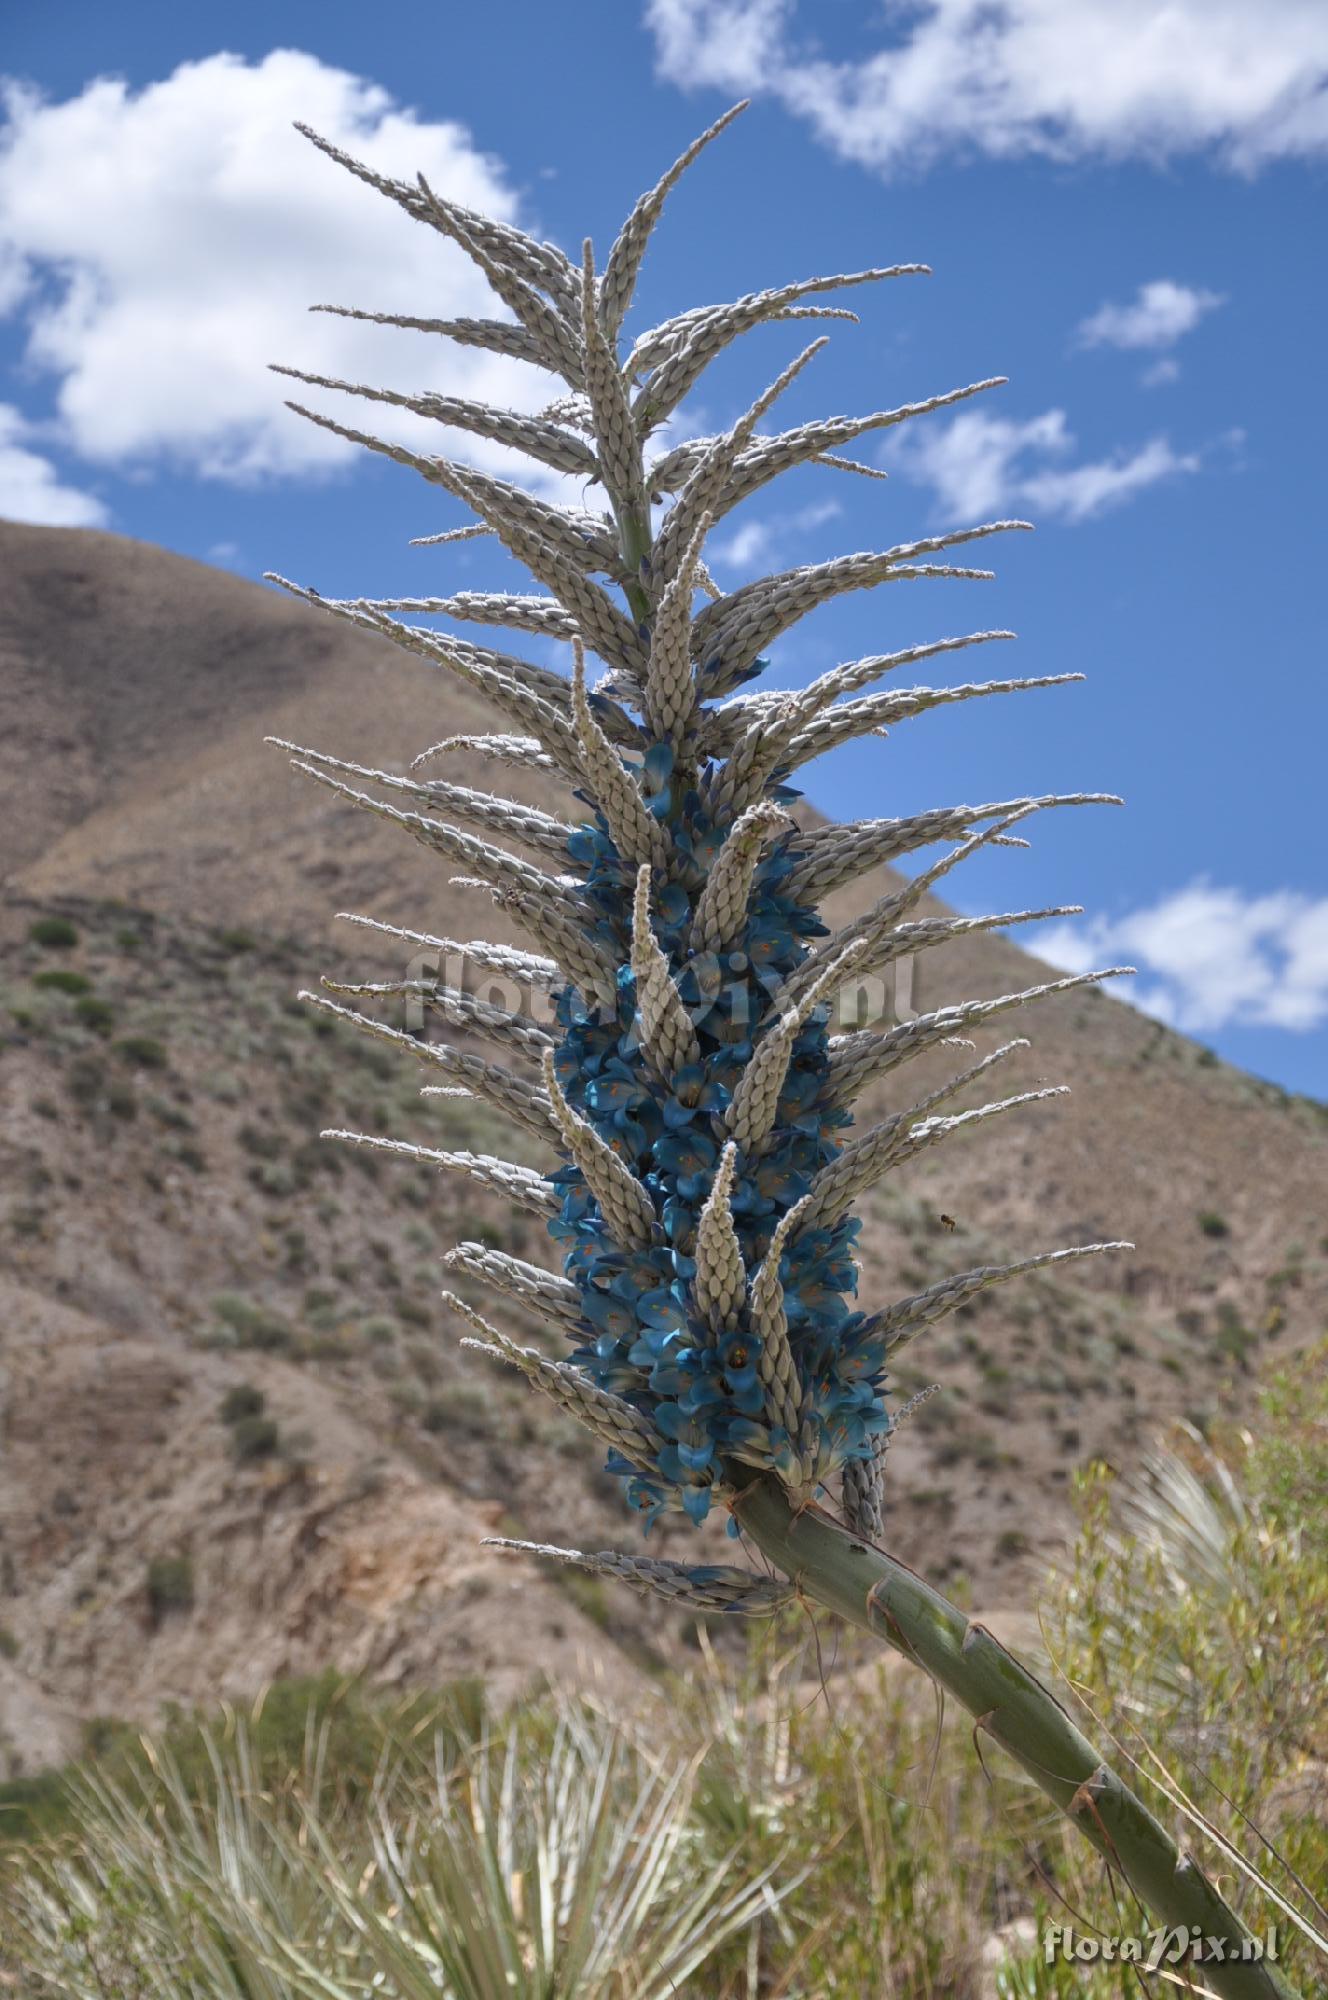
[757, 542]
[979, 465]
[1065, 79]
[1219, 958]
[163, 245]
[1158, 315]
[30, 487]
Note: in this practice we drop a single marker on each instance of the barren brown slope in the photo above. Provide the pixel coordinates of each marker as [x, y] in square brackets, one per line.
[159, 1157]
[138, 687]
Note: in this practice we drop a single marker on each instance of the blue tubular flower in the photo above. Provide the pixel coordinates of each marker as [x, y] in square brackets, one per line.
[704, 1395]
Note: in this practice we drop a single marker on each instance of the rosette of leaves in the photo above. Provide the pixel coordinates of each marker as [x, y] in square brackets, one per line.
[694, 1092]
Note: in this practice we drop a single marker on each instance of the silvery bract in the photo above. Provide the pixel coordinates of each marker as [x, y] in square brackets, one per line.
[700, 1104]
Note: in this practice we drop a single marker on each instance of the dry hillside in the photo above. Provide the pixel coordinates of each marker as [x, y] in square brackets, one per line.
[176, 1244]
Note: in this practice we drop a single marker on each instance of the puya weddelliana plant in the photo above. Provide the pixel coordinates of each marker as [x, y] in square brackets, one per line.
[693, 1091]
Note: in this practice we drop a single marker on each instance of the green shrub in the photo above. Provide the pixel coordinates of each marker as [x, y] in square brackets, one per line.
[1213, 1224]
[62, 979]
[261, 1141]
[242, 1400]
[53, 933]
[170, 1586]
[91, 1011]
[463, 1406]
[378, 1330]
[144, 1050]
[251, 1324]
[254, 1438]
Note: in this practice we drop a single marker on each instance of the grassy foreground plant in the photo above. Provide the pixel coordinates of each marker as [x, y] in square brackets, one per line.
[551, 1861]
[700, 1105]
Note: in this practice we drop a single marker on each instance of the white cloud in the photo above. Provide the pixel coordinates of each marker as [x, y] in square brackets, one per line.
[1164, 369]
[979, 465]
[1159, 315]
[163, 245]
[30, 486]
[1220, 958]
[758, 541]
[1062, 78]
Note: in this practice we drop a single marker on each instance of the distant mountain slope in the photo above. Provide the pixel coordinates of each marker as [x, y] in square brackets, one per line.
[138, 688]
[160, 1102]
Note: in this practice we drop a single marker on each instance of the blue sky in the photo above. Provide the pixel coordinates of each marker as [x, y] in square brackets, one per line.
[1123, 205]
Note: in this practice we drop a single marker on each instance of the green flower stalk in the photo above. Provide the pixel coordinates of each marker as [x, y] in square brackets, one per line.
[699, 1104]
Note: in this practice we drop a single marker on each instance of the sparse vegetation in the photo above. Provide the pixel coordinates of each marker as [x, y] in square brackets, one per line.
[242, 1400]
[170, 1586]
[62, 979]
[1213, 1224]
[145, 1051]
[254, 1437]
[250, 1324]
[53, 933]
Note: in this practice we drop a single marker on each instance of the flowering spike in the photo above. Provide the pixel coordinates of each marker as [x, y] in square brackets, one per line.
[862, 1058]
[523, 751]
[709, 1587]
[538, 830]
[637, 834]
[864, 1489]
[769, 1322]
[544, 442]
[770, 457]
[708, 1268]
[888, 1145]
[681, 350]
[734, 632]
[755, 1105]
[668, 1036]
[620, 273]
[905, 1320]
[695, 508]
[619, 451]
[721, 1277]
[512, 1095]
[625, 1204]
[462, 1009]
[502, 1177]
[670, 690]
[539, 1291]
[721, 908]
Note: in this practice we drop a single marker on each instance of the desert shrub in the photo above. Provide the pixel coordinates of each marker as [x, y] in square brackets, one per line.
[242, 1400]
[170, 1586]
[53, 933]
[1213, 1224]
[91, 1011]
[143, 1050]
[274, 1178]
[461, 1406]
[62, 979]
[251, 1324]
[1194, 1604]
[254, 1438]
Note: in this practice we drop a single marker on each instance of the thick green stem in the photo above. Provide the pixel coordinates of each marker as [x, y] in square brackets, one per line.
[634, 540]
[872, 1590]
